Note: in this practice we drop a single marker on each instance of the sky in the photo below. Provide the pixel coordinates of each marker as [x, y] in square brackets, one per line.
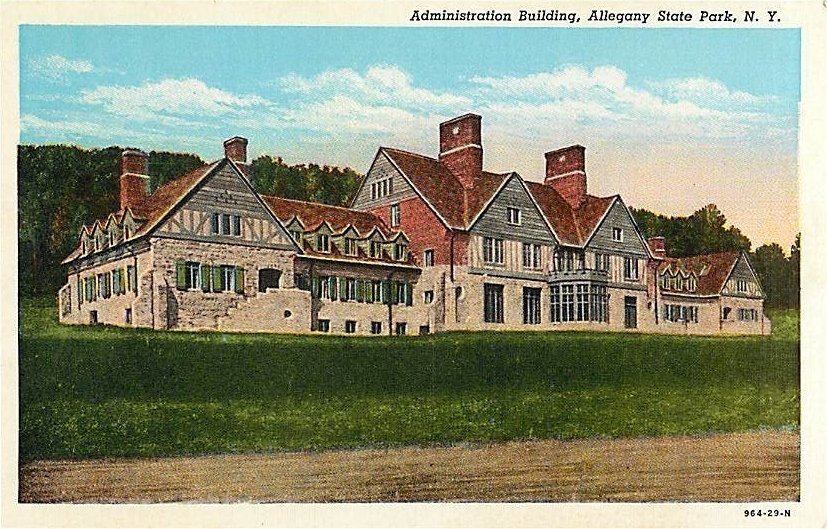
[672, 119]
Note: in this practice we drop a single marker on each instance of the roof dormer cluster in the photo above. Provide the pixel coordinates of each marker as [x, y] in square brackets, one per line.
[107, 233]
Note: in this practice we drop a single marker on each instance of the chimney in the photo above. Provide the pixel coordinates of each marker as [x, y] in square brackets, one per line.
[134, 178]
[658, 246]
[566, 173]
[236, 149]
[460, 148]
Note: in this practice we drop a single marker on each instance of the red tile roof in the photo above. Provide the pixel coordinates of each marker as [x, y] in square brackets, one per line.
[459, 206]
[313, 214]
[712, 270]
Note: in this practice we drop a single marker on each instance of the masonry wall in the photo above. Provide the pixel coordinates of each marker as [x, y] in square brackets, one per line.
[423, 227]
[194, 309]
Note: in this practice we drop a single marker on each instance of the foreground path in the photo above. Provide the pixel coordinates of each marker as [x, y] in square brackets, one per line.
[731, 467]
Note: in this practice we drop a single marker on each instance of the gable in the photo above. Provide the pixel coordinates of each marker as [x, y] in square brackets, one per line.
[602, 239]
[380, 171]
[742, 271]
[225, 192]
[493, 220]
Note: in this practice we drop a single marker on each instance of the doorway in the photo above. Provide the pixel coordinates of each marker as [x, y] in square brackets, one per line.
[630, 312]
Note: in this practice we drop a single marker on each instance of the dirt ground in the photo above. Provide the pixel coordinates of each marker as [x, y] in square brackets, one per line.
[731, 467]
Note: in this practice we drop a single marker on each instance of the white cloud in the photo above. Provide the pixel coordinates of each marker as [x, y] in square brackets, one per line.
[385, 85]
[169, 98]
[58, 67]
[708, 91]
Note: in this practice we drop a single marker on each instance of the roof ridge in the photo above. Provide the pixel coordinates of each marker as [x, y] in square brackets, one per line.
[410, 152]
[345, 208]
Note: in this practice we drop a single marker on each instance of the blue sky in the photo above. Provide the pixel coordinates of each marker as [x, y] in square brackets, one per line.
[709, 115]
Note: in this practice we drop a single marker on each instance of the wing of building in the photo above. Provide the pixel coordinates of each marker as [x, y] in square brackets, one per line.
[429, 244]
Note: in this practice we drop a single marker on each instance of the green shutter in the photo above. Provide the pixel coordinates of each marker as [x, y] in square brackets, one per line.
[217, 279]
[368, 288]
[343, 288]
[409, 297]
[206, 277]
[121, 281]
[386, 290]
[332, 286]
[94, 288]
[360, 290]
[80, 292]
[394, 293]
[239, 280]
[315, 286]
[181, 275]
[135, 279]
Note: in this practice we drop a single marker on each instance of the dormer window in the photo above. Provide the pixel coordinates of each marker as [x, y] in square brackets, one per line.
[297, 236]
[112, 239]
[323, 243]
[514, 216]
[350, 246]
[691, 284]
[400, 252]
[376, 249]
[125, 232]
[617, 234]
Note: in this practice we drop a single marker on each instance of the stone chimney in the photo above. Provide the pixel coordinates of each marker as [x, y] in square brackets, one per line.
[134, 178]
[658, 246]
[460, 148]
[236, 149]
[566, 173]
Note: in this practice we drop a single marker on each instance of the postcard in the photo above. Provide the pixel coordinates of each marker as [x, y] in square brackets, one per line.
[417, 264]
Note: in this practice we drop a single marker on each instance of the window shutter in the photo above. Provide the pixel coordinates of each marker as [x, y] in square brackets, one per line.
[342, 288]
[332, 286]
[368, 287]
[94, 281]
[206, 277]
[134, 278]
[121, 281]
[394, 292]
[181, 275]
[409, 297]
[80, 292]
[217, 279]
[360, 290]
[386, 290]
[239, 280]
[314, 284]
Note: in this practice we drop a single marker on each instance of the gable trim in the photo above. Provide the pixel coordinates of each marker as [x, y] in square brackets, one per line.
[743, 255]
[615, 200]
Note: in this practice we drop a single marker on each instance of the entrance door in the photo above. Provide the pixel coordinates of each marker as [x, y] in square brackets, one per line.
[630, 310]
[268, 278]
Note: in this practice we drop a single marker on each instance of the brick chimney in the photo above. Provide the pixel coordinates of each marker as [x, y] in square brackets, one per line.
[236, 149]
[134, 178]
[460, 148]
[658, 246]
[566, 173]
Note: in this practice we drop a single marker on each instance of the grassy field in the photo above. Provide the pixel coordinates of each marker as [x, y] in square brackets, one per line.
[109, 392]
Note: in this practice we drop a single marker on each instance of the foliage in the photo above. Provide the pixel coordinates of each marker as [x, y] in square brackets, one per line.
[705, 231]
[104, 391]
[328, 185]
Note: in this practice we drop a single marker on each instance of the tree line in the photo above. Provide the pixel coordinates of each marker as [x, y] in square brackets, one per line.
[61, 188]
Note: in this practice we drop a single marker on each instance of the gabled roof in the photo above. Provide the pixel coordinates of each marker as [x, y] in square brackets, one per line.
[716, 267]
[459, 207]
[312, 215]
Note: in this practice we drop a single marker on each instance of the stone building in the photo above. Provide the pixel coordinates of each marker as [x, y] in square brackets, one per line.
[428, 245]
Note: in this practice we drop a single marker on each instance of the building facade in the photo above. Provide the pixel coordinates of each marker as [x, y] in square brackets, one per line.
[428, 245]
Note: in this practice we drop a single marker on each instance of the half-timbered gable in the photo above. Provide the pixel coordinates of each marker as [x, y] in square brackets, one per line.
[383, 185]
[223, 208]
[742, 280]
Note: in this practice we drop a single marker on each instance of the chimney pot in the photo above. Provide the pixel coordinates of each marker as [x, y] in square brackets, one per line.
[134, 178]
[566, 173]
[235, 149]
[460, 147]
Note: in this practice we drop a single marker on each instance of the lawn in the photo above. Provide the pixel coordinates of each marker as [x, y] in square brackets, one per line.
[109, 392]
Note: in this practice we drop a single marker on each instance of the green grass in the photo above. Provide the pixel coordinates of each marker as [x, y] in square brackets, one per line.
[100, 392]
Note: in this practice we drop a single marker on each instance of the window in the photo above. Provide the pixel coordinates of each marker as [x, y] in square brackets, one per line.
[532, 257]
[741, 285]
[493, 301]
[324, 326]
[93, 317]
[377, 292]
[726, 312]
[691, 284]
[531, 305]
[323, 242]
[104, 285]
[236, 225]
[630, 270]
[376, 249]
[381, 188]
[747, 315]
[680, 313]
[579, 302]
[325, 289]
[350, 290]
[428, 297]
[599, 304]
[376, 327]
[428, 258]
[227, 279]
[492, 250]
[513, 215]
[225, 224]
[568, 302]
[111, 238]
[617, 234]
[350, 246]
[126, 233]
[350, 326]
[400, 252]
[403, 293]
[373, 191]
[193, 275]
[127, 316]
[601, 262]
[401, 328]
[297, 236]
[582, 299]
[424, 329]
[215, 224]
[395, 215]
